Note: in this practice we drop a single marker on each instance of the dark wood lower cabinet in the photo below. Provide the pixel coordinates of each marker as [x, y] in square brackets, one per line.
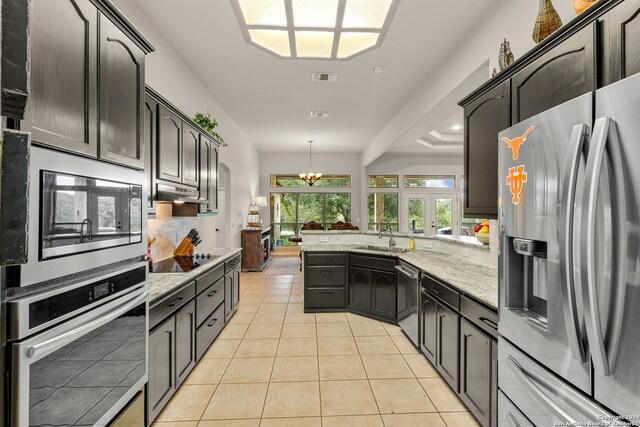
[185, 341]
[360, 289]
[162, 357]
[383, 294]
[447, 347]
[428, 340]
[476, 371]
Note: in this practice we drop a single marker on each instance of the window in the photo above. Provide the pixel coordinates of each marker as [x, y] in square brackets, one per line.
[383, 181]
[290, 211]
[324, 181]
[429, 181]
[383, 206]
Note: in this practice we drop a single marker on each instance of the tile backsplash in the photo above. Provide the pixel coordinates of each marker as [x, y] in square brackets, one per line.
[170, 231]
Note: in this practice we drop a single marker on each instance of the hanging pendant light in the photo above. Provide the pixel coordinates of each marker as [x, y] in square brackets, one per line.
[310, 177]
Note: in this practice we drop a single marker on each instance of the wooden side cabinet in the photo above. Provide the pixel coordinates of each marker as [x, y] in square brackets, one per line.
[428, 339]
[476, 371]
[185, 341]
[256, 249]
[360, 289]
[383, 294]
[448, 345]
[484, 118]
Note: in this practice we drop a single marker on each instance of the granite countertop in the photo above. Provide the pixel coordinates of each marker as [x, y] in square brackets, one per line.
[161, 284]
[475, 280]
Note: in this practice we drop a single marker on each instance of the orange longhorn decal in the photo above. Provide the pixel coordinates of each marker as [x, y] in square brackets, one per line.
[515, 143]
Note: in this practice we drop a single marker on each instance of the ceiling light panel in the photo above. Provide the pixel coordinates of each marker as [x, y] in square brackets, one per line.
[276, 41]
[366, 13]
[314, 44]
[261, 12]
[315, 13]
[322, 29]
[352, 43]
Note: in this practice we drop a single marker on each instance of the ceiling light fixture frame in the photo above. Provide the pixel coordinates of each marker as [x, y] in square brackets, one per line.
[337, 31]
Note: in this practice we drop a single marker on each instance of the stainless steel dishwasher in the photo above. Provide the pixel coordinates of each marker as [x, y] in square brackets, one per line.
[409, 300]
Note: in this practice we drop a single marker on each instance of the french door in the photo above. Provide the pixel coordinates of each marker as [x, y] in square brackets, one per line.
[430, 213]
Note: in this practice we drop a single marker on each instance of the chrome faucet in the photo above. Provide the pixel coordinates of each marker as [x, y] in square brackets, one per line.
[392, 242]
[87, 221]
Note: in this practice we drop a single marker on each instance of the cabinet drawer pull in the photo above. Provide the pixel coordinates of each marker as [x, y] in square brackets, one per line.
[212, 293]
[437, 291]
[213, 322]
[325, 260]
[512, 420]
[174, 303]
[326, 293]
[489, 323]
[326, 272]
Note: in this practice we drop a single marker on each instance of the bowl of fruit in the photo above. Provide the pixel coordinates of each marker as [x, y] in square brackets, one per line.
[482, 232]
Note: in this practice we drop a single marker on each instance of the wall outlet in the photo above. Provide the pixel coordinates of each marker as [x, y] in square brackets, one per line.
[324, 239]
[427, 245]
[465, 253]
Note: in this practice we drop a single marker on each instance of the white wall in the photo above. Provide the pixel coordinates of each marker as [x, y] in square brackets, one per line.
[329, 164]
[411, 164]
[173, 79]
[511, 19]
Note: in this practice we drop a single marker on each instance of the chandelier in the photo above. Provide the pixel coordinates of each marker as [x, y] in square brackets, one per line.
[310, 177]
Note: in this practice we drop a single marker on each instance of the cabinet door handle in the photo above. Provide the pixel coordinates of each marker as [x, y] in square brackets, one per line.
[436, 291]
[326, 293]
[489, 322]
[212, 293]
[325, 260]
[326, 272]
[512, 420]
[213, 322]
[174, 303]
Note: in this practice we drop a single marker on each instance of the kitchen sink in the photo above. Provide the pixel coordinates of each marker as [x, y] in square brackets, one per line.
[383, 248]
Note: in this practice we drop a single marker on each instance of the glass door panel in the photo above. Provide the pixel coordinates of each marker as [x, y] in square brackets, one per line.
[442, 215]
[416, 211]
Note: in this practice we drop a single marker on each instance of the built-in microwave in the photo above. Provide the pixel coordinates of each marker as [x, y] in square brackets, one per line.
[83, 214]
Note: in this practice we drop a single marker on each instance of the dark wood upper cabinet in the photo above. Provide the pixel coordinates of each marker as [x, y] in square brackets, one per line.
[62, 107]
[204, 171]
[190, 149]
[484, 118]
[383, 294]
[149, 136]
[169, 156]
[624, 40]
[564, 72]
[121, 97]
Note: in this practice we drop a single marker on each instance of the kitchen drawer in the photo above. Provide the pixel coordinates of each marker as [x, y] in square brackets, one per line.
[327, 259]
[208, 278]
[209, 330]
[207, 301]
[379, 263]
[326, 298]
[483, 317]
[171, 304]
[231, 264]
[441, 291]
[326, 277]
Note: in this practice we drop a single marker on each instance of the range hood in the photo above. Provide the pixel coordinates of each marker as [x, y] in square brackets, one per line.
[178, 193]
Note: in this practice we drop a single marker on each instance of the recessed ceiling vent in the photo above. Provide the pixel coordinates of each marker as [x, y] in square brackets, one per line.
[324, 77]
[319, 114]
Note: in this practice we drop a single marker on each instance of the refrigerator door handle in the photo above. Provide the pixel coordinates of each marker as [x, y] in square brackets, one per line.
[579, 136]
[535, 391]
[605, 138]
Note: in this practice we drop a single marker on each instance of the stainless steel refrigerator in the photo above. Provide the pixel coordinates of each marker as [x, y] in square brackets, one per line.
[569, 190]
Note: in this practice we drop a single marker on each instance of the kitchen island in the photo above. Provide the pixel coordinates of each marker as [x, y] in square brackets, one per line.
[446, 304]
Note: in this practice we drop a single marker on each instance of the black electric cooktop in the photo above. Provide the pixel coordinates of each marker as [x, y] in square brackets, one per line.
[181, 264]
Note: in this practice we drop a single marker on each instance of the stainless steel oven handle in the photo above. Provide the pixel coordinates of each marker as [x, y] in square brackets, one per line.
[409, 274]
[604, 131]
[536, 392]
[512, 420]
[68, 337]
[567, 212]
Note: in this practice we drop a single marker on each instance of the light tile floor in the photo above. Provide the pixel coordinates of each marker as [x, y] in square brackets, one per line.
[276, 366]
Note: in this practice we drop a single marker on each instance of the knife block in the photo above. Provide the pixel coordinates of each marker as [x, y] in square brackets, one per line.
[184, 248]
